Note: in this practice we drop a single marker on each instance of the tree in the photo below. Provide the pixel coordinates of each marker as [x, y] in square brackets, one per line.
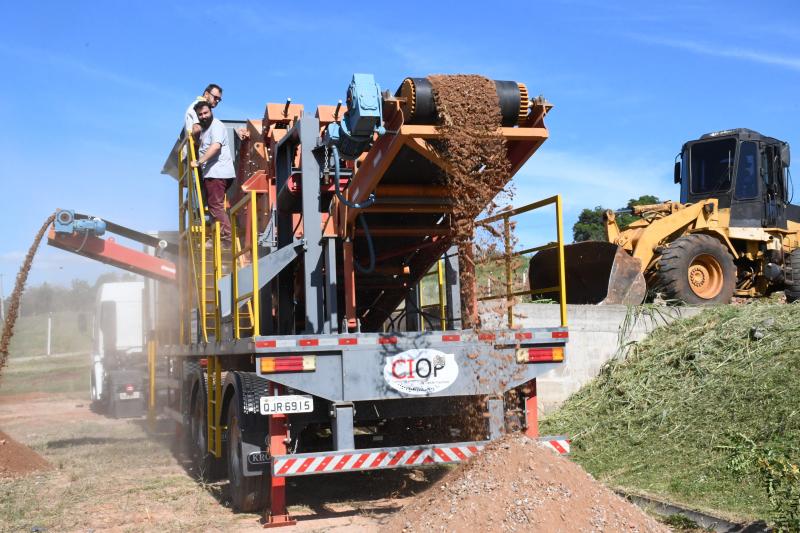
[591, 227]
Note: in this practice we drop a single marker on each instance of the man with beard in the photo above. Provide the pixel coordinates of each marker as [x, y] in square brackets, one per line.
[217, 165]
[212, 95]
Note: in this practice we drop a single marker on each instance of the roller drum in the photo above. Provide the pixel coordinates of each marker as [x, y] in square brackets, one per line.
[420, 106]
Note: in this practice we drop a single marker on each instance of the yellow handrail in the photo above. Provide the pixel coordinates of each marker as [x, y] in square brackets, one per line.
[250, 201]
[192, 228]
[505, 216]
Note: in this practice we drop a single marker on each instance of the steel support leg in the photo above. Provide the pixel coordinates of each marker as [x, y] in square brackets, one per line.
[313, 280]
[496, 417]
[331, 303]
[531, 411]
[349, 285]
[412, 309]
[453, 289]
[342, 425]
[276, 514]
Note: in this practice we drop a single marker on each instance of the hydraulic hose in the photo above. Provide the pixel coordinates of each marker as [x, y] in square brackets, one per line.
[352, 205]
[369, 269]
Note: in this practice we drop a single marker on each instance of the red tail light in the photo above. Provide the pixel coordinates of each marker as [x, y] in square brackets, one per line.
[544, 354]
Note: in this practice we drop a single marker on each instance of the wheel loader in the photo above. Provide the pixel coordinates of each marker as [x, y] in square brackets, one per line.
[734, 233]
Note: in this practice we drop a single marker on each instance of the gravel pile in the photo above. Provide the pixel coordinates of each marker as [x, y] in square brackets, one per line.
[517, 485]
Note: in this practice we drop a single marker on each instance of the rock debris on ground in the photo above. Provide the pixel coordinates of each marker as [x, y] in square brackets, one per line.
[515, 484]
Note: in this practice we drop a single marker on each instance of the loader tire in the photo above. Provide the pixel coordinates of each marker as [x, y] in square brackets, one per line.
[792, 290]
[248, 493]
[697, 269]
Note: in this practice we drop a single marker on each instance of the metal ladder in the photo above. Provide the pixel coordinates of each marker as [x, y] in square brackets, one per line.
[214, 405]
[203, 265]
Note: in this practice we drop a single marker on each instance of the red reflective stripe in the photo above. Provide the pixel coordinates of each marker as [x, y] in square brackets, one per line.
[538, 355]
[451, 338]
[288, 363]
[560, 334]
[428, 459]
[523, 336]
[459, 454]
[387, 340]
[555, 444]
[397, 456]
[305, 465]
[266, 344]
[348, 341]
[286, 466]
[443, 456]
[360, 460]
[321, 466]
[486, 336]
[473, 449]
[414, 456]
[308, 342]
[342, 462]
[377, 461]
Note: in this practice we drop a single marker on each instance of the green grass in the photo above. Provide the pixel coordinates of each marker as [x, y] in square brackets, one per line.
[669, 418]
[30, 335]
[66, 374]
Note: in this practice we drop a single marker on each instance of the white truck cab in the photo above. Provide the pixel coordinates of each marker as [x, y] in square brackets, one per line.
[117, 348]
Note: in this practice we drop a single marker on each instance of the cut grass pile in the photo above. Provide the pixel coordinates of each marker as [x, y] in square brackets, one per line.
[676, 416]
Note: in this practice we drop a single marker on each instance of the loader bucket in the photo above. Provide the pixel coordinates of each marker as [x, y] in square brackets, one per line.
[596, 273]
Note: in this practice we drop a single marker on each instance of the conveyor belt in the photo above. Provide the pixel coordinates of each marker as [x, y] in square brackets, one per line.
[420, 106]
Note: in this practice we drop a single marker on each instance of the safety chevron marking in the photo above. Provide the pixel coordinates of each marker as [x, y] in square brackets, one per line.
[560, 445]
[324, 463]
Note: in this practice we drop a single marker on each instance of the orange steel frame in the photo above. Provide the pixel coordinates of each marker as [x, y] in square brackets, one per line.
[257, 173]
[522, 143]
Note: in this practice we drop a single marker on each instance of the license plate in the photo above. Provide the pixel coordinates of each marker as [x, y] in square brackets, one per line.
[286, 405]
[132, 396]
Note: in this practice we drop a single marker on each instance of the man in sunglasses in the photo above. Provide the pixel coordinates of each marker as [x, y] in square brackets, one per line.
[217, 164]
[213, 96]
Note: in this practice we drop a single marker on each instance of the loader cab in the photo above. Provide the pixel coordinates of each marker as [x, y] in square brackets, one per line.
[746, 171]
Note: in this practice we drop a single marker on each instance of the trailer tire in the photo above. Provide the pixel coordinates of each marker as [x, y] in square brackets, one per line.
[792, 289]
[206, 466]
[248, 493]
[696, 269]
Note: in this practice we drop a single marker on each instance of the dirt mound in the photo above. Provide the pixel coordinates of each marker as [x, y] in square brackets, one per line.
[17, 460]
[517, 485]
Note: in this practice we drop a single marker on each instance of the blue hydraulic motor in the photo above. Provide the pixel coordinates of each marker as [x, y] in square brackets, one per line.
[363, 118]
[67, 223]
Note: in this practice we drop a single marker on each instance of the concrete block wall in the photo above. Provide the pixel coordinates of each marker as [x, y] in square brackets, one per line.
[594, 338]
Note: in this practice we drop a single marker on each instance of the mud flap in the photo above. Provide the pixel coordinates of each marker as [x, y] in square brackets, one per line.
[596, 273]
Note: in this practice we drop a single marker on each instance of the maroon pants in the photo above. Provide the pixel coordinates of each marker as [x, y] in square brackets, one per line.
[215, 191]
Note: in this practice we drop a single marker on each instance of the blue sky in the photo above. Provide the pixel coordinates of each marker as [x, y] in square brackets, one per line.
[94, 92]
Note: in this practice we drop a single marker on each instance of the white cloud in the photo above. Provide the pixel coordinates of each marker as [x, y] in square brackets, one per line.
[787, 62]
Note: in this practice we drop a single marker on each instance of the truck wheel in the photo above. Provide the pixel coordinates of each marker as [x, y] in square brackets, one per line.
[792, 290]
[206, 466]
[248, 493]
[697, 269]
